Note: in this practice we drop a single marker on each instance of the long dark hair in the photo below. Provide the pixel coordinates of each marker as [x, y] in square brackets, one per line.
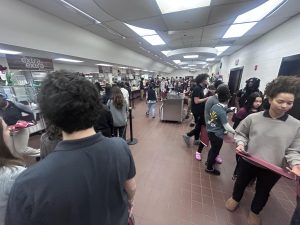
[6, 157]
[251, 99]
[117, 97]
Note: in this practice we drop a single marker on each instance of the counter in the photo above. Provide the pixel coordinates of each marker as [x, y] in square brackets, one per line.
[172, 108]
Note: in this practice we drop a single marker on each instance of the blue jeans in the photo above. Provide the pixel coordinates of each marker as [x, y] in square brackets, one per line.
[151, 109]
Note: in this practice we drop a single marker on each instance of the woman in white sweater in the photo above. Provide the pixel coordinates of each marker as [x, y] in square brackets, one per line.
[271, 135]
[10, 167]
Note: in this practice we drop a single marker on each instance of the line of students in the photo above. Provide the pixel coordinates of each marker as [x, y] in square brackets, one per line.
[252, 132]
[87, 178]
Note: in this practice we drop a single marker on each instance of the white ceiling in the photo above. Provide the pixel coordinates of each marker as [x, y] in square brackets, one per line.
[202, 27]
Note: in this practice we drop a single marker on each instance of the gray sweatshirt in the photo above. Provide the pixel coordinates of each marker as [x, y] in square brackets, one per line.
[119, 115]
[270, 139]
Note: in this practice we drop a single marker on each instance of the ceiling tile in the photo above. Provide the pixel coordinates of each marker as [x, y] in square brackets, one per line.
[57, 9]
[214, 32]
[194, 18]
[90, 7]
[124, 11]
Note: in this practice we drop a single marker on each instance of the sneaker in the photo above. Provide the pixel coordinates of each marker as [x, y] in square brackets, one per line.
[219, 159]
[28, 151]
[196, 142]
[186, 139]
[213, 172]
[198, 156]
[253, 219]
[231, 204]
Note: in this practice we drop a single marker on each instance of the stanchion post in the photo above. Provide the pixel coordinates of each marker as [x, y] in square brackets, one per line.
[132, 140]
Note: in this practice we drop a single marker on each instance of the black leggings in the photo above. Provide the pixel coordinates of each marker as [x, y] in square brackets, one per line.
[296, 216]
[266, 179]
[216, 145]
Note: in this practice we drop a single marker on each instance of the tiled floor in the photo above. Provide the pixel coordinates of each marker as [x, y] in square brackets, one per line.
[173, 188]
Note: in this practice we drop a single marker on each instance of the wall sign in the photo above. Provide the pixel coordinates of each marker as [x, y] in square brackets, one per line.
[16, 62]
[105, 69]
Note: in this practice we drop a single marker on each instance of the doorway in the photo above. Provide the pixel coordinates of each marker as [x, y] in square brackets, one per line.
[290, 66]
[234, 82]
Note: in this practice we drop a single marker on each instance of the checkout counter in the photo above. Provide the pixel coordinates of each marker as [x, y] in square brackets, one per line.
[172, 108]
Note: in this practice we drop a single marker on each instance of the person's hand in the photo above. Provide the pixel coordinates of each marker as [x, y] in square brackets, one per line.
[295, 170]
[241, 149]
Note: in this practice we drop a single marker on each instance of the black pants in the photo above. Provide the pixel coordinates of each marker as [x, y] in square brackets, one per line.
[296, 216]
[216, 145]
[266, 179]
[120, 132]
[199, 120]
[236, 170]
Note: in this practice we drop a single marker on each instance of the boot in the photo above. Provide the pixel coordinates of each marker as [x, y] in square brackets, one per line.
[231, 204]
[253, 219]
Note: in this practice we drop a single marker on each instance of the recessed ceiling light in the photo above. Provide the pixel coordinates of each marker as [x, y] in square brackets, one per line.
[210, 59]
[141, 31]
[221, 49]
[165, 52]
[103, 64]
[68, 60]
[259, 12]
[238, 30]
[80, 11]
[154, 40]
[168, 6]
[9, 52]
[190, 56]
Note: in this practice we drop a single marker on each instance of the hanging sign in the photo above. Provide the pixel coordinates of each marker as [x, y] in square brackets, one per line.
[16, 62]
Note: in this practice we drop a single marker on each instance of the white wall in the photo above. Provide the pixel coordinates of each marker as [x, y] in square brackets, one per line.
[75, 68]
[184, 73]
[266, 52]
[26, 26]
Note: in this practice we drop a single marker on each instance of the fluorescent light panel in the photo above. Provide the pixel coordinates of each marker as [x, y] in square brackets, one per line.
[123, 67]
[68, 60]
[259, 12]
[210, 59]
[103, 64]
[190, 56]
[141, 31]
[169, 6]
[238, 30]
[80, 11]
[9, 52]
[177, 61]
[165, 52]
[221, 49]
[154, 40]
[192, 65]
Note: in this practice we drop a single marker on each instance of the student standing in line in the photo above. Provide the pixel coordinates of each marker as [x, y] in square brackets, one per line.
[253, 105]
[217, 124]
[151, 101]
[198, 104]
[118, 108]
[10, 168]
[88, 179]
[211, 101]
[271, 135]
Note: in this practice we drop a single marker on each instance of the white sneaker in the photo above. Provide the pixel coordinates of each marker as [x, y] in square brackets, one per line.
[28, 151]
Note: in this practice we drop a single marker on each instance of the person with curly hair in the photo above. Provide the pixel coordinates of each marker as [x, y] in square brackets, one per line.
[88, 178]
[271, 135]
